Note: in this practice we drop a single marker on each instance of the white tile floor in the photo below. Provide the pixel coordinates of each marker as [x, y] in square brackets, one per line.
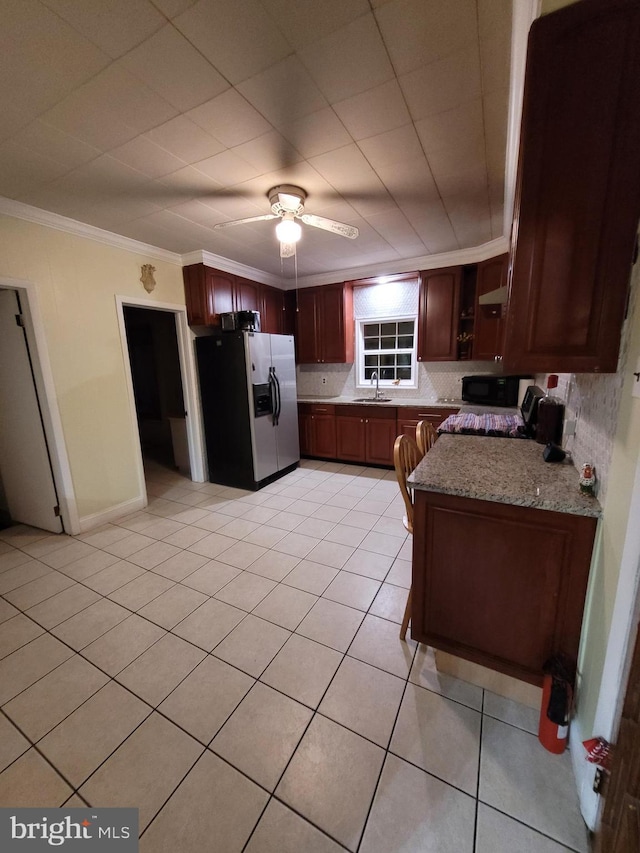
[229, 663]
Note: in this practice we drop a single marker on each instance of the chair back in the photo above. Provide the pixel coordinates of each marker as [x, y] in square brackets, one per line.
[426, 436]
[406, 455]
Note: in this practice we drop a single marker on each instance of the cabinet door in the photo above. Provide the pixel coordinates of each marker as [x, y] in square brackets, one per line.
[195, 294]
[272, 310]
[406, 426]
[488, 329]
[380, 436]
[247, 295]
[306, 327]
[336, 331]
[350, 438]
[439, 314]
[578, 190]
[304, 430]
[323, 436]
[220, 294]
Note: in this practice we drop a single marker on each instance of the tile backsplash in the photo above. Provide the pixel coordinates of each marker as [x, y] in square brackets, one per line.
[437, 380]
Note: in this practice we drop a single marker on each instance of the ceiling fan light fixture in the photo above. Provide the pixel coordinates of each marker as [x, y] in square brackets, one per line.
[287, 230]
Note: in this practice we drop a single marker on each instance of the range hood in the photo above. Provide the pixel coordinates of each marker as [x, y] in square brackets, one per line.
[494, 297]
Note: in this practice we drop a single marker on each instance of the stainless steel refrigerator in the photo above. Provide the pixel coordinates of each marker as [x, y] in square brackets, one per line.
[249, 406]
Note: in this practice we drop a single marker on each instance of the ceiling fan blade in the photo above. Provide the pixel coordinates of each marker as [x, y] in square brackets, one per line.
[287, 250]
[341, 228]
[248, 219]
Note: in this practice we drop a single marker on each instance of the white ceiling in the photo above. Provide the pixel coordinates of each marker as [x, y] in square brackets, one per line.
[156, 119]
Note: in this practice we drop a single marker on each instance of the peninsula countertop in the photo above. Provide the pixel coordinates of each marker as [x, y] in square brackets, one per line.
[503, 470]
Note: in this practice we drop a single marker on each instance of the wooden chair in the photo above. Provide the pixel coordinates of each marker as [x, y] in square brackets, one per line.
[426, 436]
[406, 455]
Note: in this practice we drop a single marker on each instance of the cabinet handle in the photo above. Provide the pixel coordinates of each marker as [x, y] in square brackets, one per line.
[321, 410]
[367, 421]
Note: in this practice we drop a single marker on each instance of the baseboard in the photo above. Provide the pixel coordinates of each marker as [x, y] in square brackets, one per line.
[584, 773]
[97, 519]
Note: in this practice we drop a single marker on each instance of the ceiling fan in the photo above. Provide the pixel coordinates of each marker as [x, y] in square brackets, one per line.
[287, 205]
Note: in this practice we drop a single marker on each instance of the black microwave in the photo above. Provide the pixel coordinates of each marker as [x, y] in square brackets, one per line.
[491, 390]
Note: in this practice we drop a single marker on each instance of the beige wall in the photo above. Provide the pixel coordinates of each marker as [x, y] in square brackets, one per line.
[625, 458]
[77, 280]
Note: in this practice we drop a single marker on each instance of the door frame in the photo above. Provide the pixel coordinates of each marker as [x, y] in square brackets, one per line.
[47, 397]
[190, 389]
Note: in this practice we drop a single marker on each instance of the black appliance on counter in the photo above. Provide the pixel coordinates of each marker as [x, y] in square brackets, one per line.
[491, 390]
[240, 321]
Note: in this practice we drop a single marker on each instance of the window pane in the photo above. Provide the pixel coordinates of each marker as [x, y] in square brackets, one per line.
[388, 343]
[371, 361]
[404, 359]
[368, 371]
[404, 373]
[388, 360]
[371, 330]
[405, 342]
[388, 329]
[405, 328]
[371, 343]
[387, 373]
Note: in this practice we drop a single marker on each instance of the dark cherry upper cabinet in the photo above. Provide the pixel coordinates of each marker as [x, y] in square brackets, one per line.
[210, 292]
[578, 192]
[439, 314]
[272, 310]
[324, 325]
[488, 327]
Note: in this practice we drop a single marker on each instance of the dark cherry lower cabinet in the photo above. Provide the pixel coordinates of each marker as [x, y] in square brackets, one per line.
[408, 418]
[500, 585]
[317, 430]
[365, 434]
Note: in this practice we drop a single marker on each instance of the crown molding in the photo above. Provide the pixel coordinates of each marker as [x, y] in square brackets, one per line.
[19, 210]
[234, 267]
[425, 262]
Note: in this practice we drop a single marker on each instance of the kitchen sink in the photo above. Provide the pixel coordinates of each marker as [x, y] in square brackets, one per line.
[372, 400]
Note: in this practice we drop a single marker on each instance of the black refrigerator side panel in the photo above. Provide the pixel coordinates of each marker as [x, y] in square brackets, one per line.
[225, 409]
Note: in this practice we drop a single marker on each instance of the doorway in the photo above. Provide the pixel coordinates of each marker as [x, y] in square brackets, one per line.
[28, 492]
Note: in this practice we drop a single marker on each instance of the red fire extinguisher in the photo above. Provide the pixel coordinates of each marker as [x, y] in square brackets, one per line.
[557, 697]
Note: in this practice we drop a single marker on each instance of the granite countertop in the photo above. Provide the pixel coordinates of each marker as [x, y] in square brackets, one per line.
[411, 402]
[503, 470]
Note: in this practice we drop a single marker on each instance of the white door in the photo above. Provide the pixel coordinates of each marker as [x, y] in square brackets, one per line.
[24, 459]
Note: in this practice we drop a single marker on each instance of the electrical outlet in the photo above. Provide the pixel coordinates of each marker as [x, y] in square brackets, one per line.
[324, 380]
[570, 427]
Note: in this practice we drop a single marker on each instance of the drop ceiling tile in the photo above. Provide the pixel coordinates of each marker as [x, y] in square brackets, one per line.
[394, 146]
[173, 68]
[154, 235]
[461, 126]
[110, 110]
[317, 133]
[495, 56]
[470, 216]
[393, 225]
[349, 61]
[185, 139]
[471, 181]
[283, 92]
[410, 181]
[32, 32]
[442, 85]
[304, 23]
[374, 112]
[494, 18]
[236, 207]
[50, 142]
[343, 163]
[268, 153]
[227, 168]
[495, 132]
[218, 29]
[230, 118]
[197, 211]
[147, 157]
[417, 33]
[107, 175]
[171, 8]
[22, 171]
[14, 117]
[434, 227]
[183, 185]
[115, 26]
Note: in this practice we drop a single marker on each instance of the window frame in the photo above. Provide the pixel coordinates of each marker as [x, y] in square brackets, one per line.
[361, 382]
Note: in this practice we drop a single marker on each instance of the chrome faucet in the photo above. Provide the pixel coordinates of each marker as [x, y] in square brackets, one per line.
[375, 376]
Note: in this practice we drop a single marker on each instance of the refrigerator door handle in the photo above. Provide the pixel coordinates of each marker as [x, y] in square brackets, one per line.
[278, 396]
[274, 397]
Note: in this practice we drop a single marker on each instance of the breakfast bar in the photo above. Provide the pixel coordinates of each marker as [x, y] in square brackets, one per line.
[501, 554]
